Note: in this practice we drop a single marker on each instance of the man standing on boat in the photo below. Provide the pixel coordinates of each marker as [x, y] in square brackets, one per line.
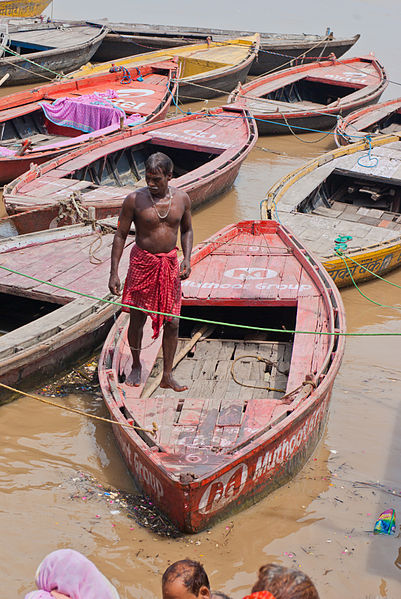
[153, 279]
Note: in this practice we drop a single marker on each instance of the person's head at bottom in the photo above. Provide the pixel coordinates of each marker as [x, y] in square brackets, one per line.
[278, 582]
[185, 579]
[66, 573]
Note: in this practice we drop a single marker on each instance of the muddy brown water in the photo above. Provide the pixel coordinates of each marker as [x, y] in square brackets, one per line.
[320, 522]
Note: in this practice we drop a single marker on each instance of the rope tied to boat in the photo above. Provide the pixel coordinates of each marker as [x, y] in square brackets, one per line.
[341, 242]
[36, 64]
[260, 359]
[74, 209]
[372, 159]
[119, 304]
[152, 431]
[126, 79]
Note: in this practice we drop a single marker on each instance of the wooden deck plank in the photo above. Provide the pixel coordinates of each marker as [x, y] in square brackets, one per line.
[302, 351]
[39, 261]
[230, 287]
[257, 415]
[215, 273]
[192, 286]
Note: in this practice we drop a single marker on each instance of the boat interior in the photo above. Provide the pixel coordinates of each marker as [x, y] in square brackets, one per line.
[126, 167]
[358, 197]
[390, 124]
[236, 379]
[311, 91]
[17, 311]
[33, 126]
[259, 361]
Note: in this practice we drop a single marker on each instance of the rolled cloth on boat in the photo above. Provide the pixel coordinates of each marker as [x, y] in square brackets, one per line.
[153, 282]
[87, 113]
[72, 574]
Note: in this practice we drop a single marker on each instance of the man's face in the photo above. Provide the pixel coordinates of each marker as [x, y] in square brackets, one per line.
[157, 182]
[175, 589]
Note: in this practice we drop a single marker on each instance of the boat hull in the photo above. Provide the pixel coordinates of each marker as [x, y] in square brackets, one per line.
[222, 445]
[31, 68]
[194, 507]
[202, 184]
[311, 96]
[276, 52]
[373, 250]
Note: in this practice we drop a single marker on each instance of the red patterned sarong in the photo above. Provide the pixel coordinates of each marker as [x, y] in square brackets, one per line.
[153, 282]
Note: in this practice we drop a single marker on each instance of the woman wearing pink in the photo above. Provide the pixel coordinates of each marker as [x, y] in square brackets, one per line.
[67, 574]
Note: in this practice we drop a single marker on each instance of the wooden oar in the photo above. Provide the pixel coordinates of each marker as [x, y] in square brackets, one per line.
[204, 331]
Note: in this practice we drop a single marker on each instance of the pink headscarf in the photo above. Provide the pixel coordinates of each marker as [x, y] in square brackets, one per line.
[69, 572]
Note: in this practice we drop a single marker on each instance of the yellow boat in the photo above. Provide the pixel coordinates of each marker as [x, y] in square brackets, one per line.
[22, 8]
[207, 70]
[345, 206]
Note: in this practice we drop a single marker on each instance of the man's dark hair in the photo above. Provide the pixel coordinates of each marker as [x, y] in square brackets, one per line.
[191, 573]
[159, 161]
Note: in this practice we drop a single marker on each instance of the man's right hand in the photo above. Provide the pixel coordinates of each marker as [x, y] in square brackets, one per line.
[115, 285]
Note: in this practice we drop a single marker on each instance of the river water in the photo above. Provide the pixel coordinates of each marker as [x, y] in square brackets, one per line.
[321, 522]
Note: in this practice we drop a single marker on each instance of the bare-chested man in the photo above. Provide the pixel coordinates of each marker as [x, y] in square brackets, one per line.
[153, 280]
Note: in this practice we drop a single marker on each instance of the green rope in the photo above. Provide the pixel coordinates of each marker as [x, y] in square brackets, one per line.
[31, 61]
[340, 254]
[203, 320]
[361, 292]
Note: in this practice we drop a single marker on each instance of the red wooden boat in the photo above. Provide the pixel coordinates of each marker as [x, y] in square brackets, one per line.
[207, 149]
[43, 328]
[29, 136]
[257, 401]
[383, 118]
[311, 95]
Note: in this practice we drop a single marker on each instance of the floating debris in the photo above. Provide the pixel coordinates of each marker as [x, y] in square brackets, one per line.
[82, 379]
[135, 506]
[385, 524]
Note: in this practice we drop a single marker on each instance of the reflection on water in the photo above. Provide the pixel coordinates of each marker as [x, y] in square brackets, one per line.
[319, 522]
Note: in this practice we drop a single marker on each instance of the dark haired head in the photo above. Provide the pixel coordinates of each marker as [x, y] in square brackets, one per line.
[188, 575]
[159, 161]
[285, 583]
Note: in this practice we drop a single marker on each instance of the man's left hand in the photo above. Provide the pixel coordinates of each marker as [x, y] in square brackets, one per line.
[185, 269]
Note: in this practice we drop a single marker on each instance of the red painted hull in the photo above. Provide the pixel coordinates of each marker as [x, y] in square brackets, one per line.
[151, 98]
[195, 485]
[341, 86]
[221, 138]
[361, 122]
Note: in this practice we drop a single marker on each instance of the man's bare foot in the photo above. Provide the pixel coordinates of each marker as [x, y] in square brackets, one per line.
[168, 382]
[134, 377]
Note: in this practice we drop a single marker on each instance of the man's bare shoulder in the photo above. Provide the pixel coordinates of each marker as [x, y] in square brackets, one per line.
[182, 196]
[135, 196]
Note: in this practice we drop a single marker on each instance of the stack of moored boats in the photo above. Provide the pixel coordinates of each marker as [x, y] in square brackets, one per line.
[260, 380]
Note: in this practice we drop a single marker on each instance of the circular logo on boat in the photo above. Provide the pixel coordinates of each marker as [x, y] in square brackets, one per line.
[223, 490]
[250, 273]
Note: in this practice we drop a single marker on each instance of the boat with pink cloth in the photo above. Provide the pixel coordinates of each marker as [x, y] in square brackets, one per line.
[40, 124]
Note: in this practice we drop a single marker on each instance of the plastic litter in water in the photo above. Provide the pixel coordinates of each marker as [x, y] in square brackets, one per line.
[385, 524]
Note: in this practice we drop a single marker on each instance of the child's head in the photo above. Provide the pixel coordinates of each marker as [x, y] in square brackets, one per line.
[185, 579]
[284, 583]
